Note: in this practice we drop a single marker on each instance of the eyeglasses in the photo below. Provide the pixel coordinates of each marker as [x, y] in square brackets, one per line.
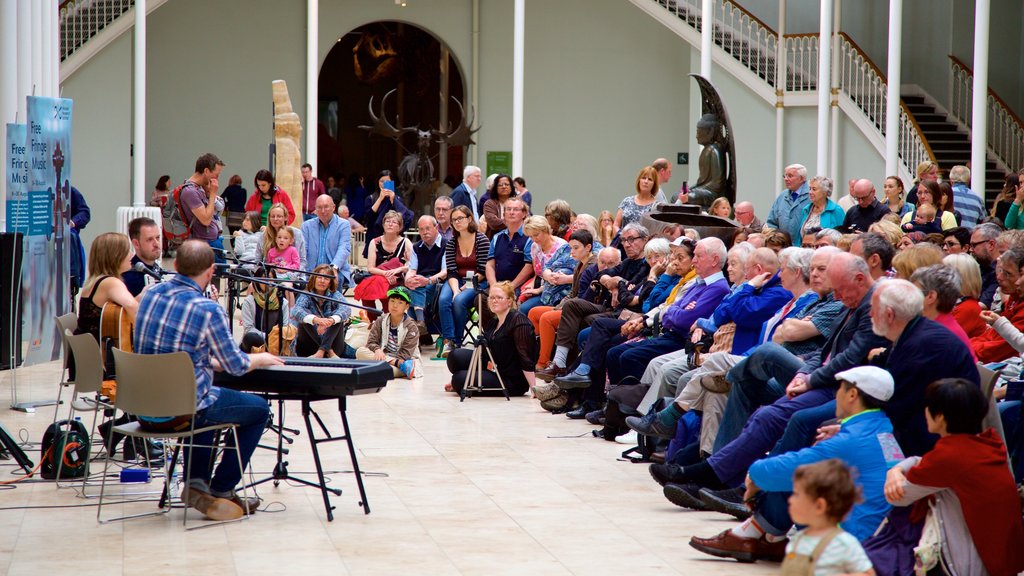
[979, 242]
[631, 240]
[951, 244]
[459, 219]
[496, 298]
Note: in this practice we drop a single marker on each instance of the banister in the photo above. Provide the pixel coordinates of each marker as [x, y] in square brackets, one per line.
[863, 55]
[754, 18]
[920, 134]
[991, 92]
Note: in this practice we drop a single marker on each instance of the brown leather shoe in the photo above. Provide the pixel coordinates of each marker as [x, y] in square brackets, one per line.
[771, 551]
[551, 372]
[728, 545]
[212, 507]
[658, 457]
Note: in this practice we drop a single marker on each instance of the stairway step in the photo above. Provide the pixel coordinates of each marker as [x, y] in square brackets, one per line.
[909, 99]
[929, 117]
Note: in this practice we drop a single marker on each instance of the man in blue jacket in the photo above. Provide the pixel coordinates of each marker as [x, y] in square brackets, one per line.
[865, 442]
[787, 210]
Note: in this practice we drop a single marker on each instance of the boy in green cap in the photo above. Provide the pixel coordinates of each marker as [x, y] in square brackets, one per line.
[394, 337]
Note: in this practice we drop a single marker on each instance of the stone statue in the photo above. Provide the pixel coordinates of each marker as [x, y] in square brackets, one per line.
[288, 156]
[711, 180]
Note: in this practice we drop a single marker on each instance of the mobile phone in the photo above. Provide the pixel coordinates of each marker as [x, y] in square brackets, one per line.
[389, 185]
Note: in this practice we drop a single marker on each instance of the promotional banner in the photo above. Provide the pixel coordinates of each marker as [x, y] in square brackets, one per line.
[45, 279]
[17, 178]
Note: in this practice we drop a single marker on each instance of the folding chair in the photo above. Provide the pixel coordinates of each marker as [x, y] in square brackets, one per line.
[161, 386]
[67, 324]
[88, 384]
[989, 378]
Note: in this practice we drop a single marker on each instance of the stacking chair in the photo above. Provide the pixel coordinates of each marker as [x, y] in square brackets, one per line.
[88, 383]
[161, 386]
[988, 385]
[67, 324]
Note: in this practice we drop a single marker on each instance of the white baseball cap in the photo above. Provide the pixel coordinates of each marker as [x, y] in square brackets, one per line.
[870, 380]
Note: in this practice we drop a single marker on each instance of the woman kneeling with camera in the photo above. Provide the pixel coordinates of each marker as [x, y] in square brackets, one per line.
[510, 338]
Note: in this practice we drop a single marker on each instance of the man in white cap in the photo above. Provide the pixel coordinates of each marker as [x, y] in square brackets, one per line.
[864, 441]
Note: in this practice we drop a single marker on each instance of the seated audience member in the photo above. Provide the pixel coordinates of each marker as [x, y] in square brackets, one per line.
[494, 206]
[864, 442]
[990, 346]
[545, 318]
[578, 313]
[929, 192]
[511, 342]
[888, 230]
[984, 249]
[699, 301]
[777, 240]
[145, 238]
[866, 211]
[393, 337]
[390, 255]
[345, 214]
[917, 256]
[328, 240]
[508, 257]
[549, 254]
[263, 309]
[940, 285]
[248, 242]
[558, 213]
[465, 258]
[894, 193]
[826, 237]
[821, 212]
[967, 310]
[276, 221]
[748, 432]
[426, 272]
[956, 240]
[443, 213]
[969, 485]
[876, 251]
[606, 228]
[321, 319]
[924, 221]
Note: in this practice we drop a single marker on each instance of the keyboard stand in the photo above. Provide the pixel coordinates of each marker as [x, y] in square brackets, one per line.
[314, 442]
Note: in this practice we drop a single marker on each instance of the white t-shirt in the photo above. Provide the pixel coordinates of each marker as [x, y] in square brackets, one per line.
[843, 555]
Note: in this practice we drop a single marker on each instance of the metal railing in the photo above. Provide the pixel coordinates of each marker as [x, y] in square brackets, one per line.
[1005, 131]
[802, 62]
[80, 20]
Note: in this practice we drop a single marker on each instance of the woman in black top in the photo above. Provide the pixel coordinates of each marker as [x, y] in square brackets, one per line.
[109, 256]
[511, 342]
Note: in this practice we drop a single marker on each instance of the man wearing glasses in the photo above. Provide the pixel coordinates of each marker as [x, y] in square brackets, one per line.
[509, 255]
[983, 248]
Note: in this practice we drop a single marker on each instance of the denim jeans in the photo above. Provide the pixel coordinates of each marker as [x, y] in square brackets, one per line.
[759, 379]
[455, 310]
[422, 295]
[250, 413]
[218, 250]
[530, 303]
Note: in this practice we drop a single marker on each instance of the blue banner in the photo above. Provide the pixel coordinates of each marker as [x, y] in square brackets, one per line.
[16, 162]
[46, 203]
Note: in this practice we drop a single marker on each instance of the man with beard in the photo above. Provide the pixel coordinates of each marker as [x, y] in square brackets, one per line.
[983, 246]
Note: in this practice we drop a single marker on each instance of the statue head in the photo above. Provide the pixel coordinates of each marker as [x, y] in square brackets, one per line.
[707, 129]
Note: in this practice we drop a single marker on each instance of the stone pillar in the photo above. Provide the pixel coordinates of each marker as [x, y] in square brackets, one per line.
[287, 134]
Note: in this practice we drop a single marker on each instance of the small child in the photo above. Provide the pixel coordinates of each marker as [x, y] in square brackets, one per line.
[249, 240]
[394, 337]
[284, 254]
[823, 494]
[924, 221]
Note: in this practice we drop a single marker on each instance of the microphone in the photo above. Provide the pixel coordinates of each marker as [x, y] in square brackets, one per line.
[142, 268]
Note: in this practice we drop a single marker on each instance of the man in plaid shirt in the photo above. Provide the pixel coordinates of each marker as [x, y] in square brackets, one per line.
[177, 316]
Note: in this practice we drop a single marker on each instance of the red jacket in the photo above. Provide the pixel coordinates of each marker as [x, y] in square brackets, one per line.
[254, 203]
[974, 468]
[990, 346]
[968, 316]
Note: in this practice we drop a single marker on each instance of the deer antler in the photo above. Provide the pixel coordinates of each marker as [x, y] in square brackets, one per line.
[461, 136]
[381, 126]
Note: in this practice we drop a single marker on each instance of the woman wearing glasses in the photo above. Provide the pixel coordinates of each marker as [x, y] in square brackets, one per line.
[466, 257]
[512, 345]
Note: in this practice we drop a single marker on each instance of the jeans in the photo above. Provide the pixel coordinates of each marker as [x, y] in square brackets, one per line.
[803, 427]
[1013, 427]
[218, 250]
[422, 295]
[530, 303]
[759, 379]
[455, 310]
[250, 413]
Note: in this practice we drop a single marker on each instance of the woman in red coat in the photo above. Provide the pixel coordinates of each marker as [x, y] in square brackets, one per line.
[266, 195]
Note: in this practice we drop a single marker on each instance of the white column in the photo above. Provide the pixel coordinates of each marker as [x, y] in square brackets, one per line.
[518, 62]
[312, 79]
[24, 56]
[707, 27]
[139, 97]
[824, 82]
[8, 88]
[833, 97]
[979, 116]
[473, 154]
[36, 39]
[55, 44]
[780, 95]
[45, 48]
[894, 74]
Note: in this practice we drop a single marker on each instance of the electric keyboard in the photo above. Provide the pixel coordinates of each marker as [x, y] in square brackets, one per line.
[312, 377]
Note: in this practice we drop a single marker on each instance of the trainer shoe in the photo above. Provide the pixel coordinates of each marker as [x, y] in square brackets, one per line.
[728, 501]
[667, 474]
[651, 425]
[409, 368]
[684, 496]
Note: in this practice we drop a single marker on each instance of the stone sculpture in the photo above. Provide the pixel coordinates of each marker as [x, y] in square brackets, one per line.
[288, 156]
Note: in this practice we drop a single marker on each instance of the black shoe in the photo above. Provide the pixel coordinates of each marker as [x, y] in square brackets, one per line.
[133, 450]
[581, 411]
[729, 501]
[684, 496]
[651, 425]
[667, 474]
[573, 380]
[596, 417]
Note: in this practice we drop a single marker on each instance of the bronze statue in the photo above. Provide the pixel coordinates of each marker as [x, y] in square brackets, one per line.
[717, 162]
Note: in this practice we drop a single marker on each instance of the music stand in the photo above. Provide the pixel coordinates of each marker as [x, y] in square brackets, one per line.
[10, 445]
[474, 379]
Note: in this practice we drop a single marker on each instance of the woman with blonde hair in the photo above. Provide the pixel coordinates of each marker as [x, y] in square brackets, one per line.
[967, 310]
[894, 193]
[926, 171]
[277, 218]
[1007, 196]
[606, 228]
[389, 257]
[887, 230]
[109, 256]
[633, 207]
[914, 257]
[551, 259]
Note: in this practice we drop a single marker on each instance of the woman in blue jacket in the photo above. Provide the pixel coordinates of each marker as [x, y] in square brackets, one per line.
[821, 212]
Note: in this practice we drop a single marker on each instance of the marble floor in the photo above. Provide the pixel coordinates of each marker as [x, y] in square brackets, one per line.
[480, 487]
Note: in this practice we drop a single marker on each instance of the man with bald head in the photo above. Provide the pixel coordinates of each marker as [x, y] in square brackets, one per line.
[744, 214]
[427, 270]
[866, 211]
[328, 240]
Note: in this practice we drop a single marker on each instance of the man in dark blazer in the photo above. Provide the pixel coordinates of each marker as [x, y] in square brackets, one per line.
[465, 193]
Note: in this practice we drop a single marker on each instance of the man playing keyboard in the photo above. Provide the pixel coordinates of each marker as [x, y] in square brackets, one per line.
[176, 315]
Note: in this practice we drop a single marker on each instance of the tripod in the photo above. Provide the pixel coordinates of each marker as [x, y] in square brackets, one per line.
[475, 379]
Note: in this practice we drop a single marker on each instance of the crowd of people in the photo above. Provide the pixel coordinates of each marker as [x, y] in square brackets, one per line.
[815, 376]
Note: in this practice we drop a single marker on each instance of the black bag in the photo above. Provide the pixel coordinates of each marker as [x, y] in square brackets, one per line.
[66, 440]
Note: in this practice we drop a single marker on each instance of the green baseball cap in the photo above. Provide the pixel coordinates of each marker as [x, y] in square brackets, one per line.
[400, 292]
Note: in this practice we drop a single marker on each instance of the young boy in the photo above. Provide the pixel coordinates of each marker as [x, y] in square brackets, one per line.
[823, 494]
[393, 337]
[924, 221]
